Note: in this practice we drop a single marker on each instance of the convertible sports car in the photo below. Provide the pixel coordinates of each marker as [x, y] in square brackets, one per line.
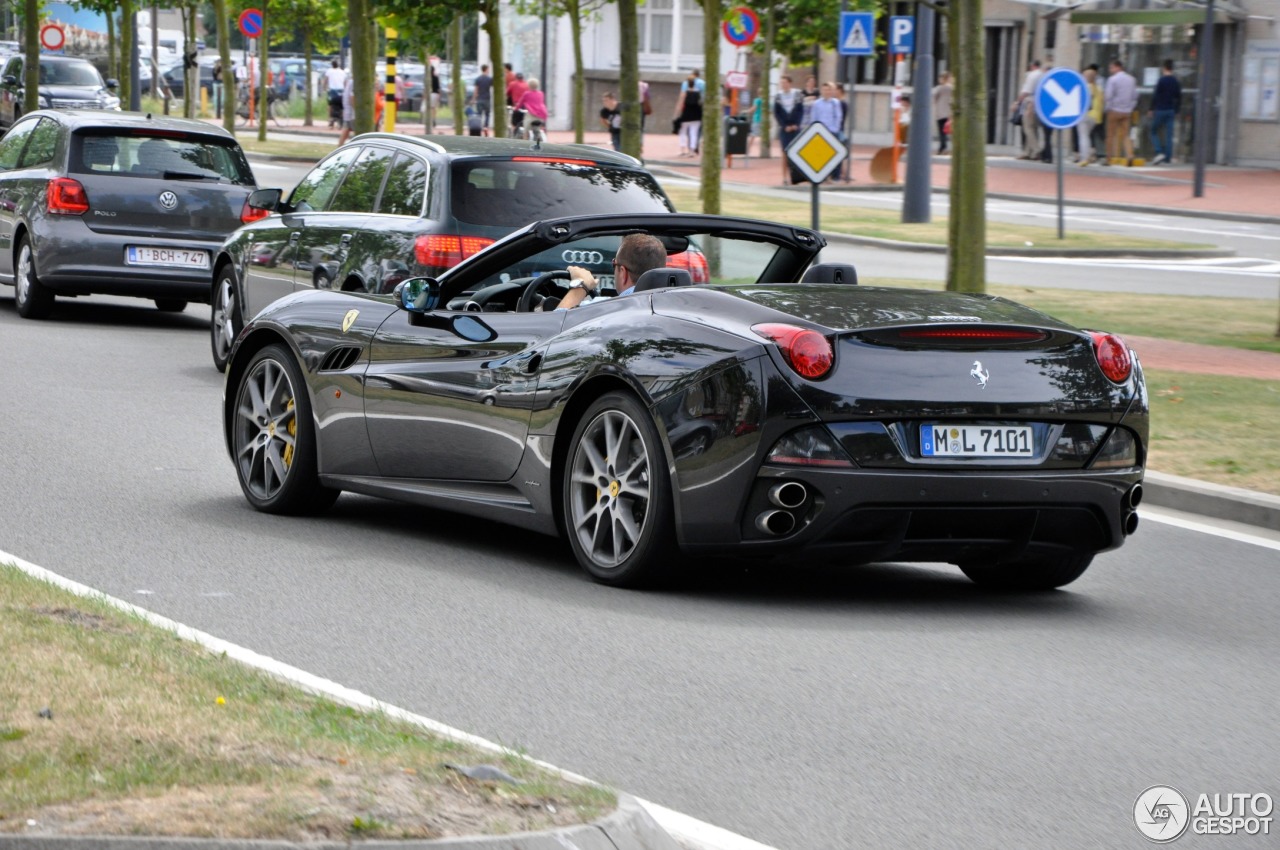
[778, 408]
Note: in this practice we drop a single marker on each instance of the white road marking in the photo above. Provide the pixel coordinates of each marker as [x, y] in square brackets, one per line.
[1225, 265]
[689, 831]
[1156, 515]
[268, 166]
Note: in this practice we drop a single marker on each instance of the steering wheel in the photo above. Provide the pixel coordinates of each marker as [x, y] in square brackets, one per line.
[531, 291]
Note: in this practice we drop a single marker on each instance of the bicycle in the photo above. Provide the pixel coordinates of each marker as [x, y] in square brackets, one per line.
[275, 107]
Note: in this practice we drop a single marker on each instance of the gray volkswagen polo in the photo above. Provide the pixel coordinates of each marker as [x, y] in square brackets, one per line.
[116, 204]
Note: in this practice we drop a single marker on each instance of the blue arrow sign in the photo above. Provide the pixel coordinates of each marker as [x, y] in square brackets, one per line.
[902, 34]
[857, 33]
[1062, 99]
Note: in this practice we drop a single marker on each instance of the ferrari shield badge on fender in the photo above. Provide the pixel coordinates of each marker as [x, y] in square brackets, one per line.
[349, 320]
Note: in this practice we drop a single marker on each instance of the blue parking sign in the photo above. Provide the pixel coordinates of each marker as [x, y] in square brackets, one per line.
[857, 34]
[902, 34]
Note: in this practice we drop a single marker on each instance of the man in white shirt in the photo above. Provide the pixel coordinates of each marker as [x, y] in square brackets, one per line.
[334, 79]
[1026, 102]
[638, 253]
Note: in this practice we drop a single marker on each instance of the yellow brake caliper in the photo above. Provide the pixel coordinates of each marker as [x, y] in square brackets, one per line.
[293, 432]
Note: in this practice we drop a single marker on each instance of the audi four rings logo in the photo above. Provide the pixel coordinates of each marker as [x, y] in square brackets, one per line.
[586, 258]
[168, 200]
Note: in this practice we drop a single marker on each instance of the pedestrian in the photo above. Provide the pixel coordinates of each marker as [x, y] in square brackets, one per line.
[700, 83]
[348, 110]
[435, 97]
[942, 108]
[508, 77]
[1165, 103]
[788, 113]
[611, 118]
[334, 81]
[1092, 117]
[904, 119]
[533, 101]
[827, 110]
[515, 90]
[689, 114]
[217, 88]
[1025, 107]
[810, 89]
[482, 97]
[1121, 96]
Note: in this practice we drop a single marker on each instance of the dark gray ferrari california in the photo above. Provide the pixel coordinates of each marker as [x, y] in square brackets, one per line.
[779, 408]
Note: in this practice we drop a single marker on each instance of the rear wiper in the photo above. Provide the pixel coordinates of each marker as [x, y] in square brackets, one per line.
[191, 175]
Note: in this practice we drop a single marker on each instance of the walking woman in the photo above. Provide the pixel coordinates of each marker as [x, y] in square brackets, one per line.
[689, 112]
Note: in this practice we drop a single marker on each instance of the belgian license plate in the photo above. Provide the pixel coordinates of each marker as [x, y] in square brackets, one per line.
[187, 258]
[942, 440]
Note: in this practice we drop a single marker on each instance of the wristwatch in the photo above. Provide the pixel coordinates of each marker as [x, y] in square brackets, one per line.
[580, 284]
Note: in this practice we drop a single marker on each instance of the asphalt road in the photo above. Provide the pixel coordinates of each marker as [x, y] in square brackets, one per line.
[803, 706]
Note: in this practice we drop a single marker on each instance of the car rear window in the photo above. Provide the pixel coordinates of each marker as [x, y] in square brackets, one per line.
[171, 156]
[69, 74]
[512, 193]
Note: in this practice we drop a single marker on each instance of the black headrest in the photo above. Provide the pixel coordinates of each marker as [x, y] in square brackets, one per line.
[830, 273]
[662, 278]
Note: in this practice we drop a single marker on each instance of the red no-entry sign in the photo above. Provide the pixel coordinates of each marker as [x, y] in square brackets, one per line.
[251, 23]
[52, 37]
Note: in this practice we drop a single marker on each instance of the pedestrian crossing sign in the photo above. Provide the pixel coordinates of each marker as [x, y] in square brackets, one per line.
[857, 33]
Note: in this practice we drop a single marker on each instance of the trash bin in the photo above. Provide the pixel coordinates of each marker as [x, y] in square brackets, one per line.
[737, 131]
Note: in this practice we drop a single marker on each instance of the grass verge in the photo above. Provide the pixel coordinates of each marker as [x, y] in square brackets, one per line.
[153, 735]
[887, 224]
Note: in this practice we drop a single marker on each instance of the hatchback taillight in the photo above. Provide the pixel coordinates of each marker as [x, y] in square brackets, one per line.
[447, 250]
[695, 262]
[805, 350]
[1113, 356]
[248, 213]
[66, 197]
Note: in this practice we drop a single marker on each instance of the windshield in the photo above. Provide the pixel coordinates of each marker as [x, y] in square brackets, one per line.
[163, 158]
[69, 74]
[512, 193]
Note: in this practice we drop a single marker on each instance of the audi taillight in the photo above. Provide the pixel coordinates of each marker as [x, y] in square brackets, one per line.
[695, 262]
[248, 213]
[66, 197]
[1113, 356]
[447, 250]
[805, 350]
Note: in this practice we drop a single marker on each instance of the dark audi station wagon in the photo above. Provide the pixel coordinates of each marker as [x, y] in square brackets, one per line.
[116, 204]
[384, 208]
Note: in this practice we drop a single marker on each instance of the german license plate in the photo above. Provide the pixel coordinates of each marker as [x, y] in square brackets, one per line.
[942, 440]
[187, 258]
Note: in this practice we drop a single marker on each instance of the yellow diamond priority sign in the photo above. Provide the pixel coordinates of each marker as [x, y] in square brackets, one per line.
[817, 152]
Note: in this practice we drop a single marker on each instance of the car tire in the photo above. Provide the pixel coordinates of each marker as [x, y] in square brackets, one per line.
[273, 437]
[1040, 573]
[616, 495]
[170, 305]
[227, 320]
[33, 299]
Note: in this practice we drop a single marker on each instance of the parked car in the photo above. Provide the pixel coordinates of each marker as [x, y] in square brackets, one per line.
[66, 82]
[780, 409]
[385, 207]
[116, 204]
[175, 79]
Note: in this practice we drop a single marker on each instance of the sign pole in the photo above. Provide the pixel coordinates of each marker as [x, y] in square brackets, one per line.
[813, 200]
[1058, 156]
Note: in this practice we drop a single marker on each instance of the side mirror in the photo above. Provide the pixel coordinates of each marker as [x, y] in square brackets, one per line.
[113, 84]
[9, 80]
[418, 294]
[265, 199]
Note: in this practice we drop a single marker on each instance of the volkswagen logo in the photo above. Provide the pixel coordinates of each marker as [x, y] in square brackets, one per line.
[584, 258]
[168, 200]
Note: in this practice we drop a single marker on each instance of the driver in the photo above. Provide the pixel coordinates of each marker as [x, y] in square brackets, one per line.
[638, 253]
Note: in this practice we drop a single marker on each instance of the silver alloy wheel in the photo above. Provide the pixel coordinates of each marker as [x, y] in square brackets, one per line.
[265, 429]
[610, 494]
[224, 308]
[22, 283]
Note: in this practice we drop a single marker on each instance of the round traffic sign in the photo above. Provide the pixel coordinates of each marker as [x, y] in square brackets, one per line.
[1062, 98]
[251, 25]
[741, 26]
[52, 37]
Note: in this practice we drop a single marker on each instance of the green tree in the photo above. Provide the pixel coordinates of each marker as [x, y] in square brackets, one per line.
[578, 12]
[713, 12]
[629, 78]
[107, 9]
[967, 226]
[312, 21]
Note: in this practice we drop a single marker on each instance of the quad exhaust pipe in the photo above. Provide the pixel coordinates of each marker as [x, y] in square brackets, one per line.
[1132, 499]
[775, 523]
[788, 495]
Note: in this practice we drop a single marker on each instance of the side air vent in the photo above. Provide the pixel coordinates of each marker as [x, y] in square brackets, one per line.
[340, 358]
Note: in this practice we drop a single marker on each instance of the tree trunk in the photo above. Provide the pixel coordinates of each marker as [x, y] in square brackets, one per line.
[31, 47]
[128, 46]
[493, 28]
[579, 83]
[229, 89]
[264, 73]
[191, 74]
[712, 13]
[112, 62]
[308, 104]
[629, 79]
[766, 95]
[967, 226]
[456, 85]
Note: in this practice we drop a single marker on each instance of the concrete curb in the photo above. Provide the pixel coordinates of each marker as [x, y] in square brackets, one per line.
[1212, 500]
[629, 827]
[1096, 253]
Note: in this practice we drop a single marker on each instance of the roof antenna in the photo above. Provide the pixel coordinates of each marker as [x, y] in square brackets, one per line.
[148, 116]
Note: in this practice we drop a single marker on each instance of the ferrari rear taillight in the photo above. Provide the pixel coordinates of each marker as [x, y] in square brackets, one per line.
[805, 350]
[970, 334]
[695, 262]
[1113, 356]
[447, 250]
[813, 446]
[66, 196]
[248, 213]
